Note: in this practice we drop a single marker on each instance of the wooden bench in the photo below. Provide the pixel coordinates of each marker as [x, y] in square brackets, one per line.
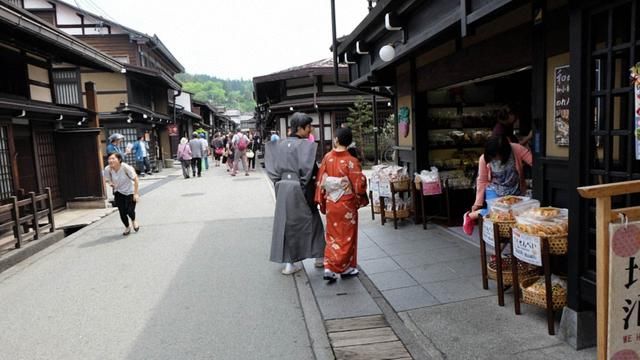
[21, 216]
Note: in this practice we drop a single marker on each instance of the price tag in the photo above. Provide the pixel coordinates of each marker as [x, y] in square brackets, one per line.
[487, 232]
[384, 189]
[527, 248]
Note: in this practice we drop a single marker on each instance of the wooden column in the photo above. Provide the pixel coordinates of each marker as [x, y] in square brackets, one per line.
[94, 121]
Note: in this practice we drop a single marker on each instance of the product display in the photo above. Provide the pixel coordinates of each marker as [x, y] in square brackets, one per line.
[545, 221]
[507, 207]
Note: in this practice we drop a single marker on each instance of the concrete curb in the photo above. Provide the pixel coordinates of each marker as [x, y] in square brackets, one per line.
[30, 248]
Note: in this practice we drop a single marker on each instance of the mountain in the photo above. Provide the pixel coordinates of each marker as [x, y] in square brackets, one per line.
[233, 94]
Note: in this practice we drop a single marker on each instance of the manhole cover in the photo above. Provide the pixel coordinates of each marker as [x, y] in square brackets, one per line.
[192, 194]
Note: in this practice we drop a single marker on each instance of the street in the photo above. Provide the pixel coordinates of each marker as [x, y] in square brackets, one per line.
[193, 283]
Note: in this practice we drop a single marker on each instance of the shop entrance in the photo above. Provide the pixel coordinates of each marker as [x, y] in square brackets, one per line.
[452, 126]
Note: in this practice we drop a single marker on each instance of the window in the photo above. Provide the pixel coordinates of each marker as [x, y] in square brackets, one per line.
[6, 175]
[14, 74]
[66, 83]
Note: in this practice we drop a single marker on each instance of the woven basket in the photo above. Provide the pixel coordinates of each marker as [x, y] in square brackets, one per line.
[376, 209]
[559, 297]
[504, 227]
[401, 185]
[524, 270]
[400, 214]
[558, 245]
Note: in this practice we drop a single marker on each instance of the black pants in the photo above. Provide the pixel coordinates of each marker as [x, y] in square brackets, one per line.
[252, 162]
[196, 163]
[144, 166]
[126, 207]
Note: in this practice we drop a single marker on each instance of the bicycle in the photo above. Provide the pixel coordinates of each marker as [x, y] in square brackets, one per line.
[390, 155]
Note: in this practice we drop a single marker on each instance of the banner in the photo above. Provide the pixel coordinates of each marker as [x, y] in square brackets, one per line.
[561, 83]
[624, 292]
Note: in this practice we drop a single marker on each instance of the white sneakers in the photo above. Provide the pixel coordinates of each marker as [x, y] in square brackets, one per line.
[350, 272]
[290, 268]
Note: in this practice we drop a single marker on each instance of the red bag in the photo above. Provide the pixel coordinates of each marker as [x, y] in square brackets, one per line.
[219, 151]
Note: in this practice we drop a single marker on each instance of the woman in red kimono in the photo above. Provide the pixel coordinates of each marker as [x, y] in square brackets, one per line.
[341, 190]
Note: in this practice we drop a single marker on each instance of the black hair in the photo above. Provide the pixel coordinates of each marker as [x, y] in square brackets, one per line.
[497, 146]
[117, 155]
[344, 136]
[299, 120]
[140, 137]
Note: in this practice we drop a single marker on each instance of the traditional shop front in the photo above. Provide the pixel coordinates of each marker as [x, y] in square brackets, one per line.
[564, 63]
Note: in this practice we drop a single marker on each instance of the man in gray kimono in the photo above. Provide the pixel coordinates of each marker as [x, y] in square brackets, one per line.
[298, 233]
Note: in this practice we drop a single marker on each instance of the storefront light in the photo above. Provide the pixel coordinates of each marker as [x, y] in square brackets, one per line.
[387, 53]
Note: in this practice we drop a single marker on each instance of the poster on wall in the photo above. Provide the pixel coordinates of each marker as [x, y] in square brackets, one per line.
[172, 129]
[561, 83]
[623, 340]
[635, 81]
[404, 120]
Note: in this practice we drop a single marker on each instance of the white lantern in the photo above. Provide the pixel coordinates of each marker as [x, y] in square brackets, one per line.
[387, 53]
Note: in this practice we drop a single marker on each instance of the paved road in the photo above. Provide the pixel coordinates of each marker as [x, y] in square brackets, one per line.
[194, 283]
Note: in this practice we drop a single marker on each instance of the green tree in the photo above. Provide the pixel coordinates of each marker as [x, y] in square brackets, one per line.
[360, 120]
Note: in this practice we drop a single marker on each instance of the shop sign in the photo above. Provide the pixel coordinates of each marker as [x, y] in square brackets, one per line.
[527, 247]
[487, 232]
[172, 129]
[624, 291]
[375, 187]
[561, 83]
[384, 188]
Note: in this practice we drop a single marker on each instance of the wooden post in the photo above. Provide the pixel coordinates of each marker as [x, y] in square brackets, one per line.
[497, 249]
[16, 218]
[34, 210]
[515, 281]
[52, 222]
[604, 213]
[483, 257]
[94, 121]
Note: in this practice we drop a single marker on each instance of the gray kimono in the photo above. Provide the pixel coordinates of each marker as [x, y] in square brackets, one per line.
[298, 233]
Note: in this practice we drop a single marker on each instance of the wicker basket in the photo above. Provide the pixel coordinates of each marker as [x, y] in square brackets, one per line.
[559, 297]
[558, 245]
[504, 227]
[401, 185]
[524, 270]
[400, 214]
[376, 209]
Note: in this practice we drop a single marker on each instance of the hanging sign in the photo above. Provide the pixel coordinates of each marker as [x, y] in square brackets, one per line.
[527, 247]
[624, 292]
[635, 82]
[561, 83]
[172, 129]
[487, 232]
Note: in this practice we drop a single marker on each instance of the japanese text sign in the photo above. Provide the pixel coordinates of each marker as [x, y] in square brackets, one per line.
[624, 292]
[527, 247]
[487, 232]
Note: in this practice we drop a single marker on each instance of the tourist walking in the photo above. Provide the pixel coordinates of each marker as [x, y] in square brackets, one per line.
[341, 192]
[115, 144]
[298, 233]
[254, 146]
[184, 156]
[218, 148]
[240, 143]
[141, 152]
[196, 154]
[123, 180]
[205, 150]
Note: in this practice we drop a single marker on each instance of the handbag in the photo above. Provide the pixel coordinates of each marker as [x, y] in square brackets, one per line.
[250, 154]
[219, 151]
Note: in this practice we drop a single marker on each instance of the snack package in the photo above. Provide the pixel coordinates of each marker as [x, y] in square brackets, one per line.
[546, 221]
[556, 284]
[506, 208]
[430, 181]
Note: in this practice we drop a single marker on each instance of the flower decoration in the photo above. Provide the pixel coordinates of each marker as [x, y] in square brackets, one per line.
[635, 74]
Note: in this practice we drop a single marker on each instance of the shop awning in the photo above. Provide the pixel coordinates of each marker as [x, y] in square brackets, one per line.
[156, 75]
[321, 101]
[15, 107]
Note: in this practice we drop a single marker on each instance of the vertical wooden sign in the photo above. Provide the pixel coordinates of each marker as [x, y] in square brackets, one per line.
[623, 342]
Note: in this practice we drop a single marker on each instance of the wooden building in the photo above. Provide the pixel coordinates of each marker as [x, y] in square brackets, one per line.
[47, 136]
[311, 89]
[566, 62]
[134, 101]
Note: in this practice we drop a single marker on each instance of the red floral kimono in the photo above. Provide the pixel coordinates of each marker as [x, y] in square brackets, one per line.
[342, 215]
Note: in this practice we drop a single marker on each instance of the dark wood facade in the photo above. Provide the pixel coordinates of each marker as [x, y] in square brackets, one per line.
[465, 42]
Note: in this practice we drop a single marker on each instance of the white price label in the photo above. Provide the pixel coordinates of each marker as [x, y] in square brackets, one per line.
[527, 248]
[375, 185]
[487, 232]
[384, 188]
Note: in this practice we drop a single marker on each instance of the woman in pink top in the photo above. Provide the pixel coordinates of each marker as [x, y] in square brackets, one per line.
[500, 173]
[184, 155]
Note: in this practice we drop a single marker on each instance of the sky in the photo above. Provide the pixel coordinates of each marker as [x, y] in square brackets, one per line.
[236, 39]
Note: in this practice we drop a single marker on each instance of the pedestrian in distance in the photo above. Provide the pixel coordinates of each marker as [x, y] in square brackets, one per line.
[254, 145]
[230, 151]
[274, 136]
[341, 191]
[115, 144]
[218, 148]
[290, 163]
[184, 156]
[141, 152]
[205, 150]
[240, 143]
[196, 154]
[123, 180]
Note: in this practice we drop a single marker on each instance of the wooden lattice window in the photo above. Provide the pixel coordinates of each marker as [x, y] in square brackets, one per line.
[67, 86]
[6, 174]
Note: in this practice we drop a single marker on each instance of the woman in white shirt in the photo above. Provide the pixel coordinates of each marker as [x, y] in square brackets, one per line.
[124, 182]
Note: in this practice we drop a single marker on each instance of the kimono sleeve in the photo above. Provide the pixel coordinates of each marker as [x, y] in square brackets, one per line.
[320, 197]
[270, 158]
[358, 182]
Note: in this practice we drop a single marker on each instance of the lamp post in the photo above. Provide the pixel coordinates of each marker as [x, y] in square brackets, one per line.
[376, 154]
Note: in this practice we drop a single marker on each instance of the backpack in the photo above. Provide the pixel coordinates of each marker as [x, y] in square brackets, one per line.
[242, 143]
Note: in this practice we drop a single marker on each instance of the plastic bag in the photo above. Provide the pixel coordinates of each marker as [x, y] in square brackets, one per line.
[430, 181]
[506, 208]
[544, 221]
